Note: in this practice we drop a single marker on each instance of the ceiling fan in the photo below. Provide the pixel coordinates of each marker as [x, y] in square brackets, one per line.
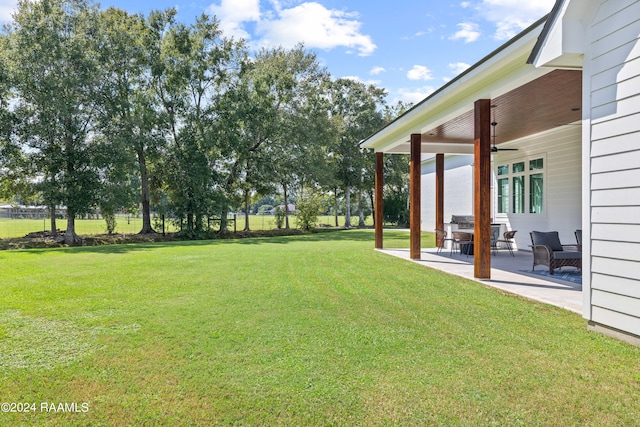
[494, 148]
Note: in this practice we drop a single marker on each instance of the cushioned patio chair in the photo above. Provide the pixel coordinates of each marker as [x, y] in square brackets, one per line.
[579, 239]
[547, 250]
[507, 239]
[441, 238]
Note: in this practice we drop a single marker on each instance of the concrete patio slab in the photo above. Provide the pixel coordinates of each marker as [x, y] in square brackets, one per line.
[509, 273]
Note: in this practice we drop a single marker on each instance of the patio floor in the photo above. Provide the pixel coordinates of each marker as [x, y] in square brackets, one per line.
[511, 274]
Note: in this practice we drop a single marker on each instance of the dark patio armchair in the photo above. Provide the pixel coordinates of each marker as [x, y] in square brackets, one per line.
[579, 239]
[547, 250]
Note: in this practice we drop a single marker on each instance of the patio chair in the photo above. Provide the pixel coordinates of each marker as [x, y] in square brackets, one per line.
[461, 238]
[578, 234]
[495, 237]
[547, 250]
[441, 238]
[508, 240]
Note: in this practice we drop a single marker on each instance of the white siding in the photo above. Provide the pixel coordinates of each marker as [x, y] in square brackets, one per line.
[614, 155]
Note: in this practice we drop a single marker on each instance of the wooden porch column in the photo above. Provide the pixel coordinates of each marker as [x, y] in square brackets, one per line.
[482, 189]
[414, 196]
[439, 194]
[379, 198]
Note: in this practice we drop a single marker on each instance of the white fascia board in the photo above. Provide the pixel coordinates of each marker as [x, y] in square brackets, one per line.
[505, 70]
[563, 45]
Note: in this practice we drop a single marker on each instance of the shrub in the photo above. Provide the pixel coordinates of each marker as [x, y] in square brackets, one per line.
[309, 207]
[280, 217]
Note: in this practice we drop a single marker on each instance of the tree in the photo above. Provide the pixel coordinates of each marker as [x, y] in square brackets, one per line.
[356, 106]
[260, 116]
[190, 68]
[128, 117]
[52, 56]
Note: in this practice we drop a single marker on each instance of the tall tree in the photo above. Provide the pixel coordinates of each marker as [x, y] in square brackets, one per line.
[358, 108]
[53, 59]
[259, 113]
[128, 118]
[190, 68]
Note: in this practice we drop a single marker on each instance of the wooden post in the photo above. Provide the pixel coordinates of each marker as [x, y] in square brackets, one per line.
[482, 189]
[414, 196]
[379, 208]
[439, 194]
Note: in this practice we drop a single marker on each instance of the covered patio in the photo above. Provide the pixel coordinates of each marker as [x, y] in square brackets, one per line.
[535, 108]
[510, 274]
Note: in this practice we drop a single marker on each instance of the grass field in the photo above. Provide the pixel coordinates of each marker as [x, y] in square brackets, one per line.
[306, 330]
[10, 228]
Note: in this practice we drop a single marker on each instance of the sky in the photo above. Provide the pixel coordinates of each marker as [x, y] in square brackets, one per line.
[408, 47]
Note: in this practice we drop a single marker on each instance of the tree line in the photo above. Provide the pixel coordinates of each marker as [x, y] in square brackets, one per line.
[100, 108]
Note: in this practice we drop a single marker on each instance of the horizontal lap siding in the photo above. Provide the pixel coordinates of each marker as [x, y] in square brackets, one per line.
[615, 166]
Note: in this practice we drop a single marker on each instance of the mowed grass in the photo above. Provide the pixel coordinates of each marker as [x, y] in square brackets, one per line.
[11, 228]
[303, 330]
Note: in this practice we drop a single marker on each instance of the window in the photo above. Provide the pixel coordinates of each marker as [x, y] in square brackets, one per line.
[520, 188]
[503, 189]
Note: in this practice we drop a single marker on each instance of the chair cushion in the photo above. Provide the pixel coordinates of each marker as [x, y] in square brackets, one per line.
[567, 255]
[549, 238]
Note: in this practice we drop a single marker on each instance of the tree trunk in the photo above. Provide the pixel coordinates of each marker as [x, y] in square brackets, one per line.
[373, 208]
[246, 211]
[146, 210]
[286, 208]
[54, 227]
[335, 204]
[347, 208]
[361, 223]
[223, 222]
[70, 236]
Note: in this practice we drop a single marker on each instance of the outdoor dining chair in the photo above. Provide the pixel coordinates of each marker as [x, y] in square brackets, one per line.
[508, 240]
[441, 238]
[461, 238]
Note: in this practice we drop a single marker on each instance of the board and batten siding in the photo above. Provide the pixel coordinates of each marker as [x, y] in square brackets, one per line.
[613, 61]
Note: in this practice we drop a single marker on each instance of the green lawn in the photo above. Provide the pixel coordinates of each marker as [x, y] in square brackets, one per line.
[304, 330]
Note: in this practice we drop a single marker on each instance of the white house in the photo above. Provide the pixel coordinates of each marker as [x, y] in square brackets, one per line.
[565, 95]
[602, 38]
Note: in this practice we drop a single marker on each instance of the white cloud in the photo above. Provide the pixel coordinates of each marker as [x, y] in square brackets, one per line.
[468, 31]
[419, 72]
[513, 16]
[465, 4]
[359, 80]
[458, 67]
[413, 95]
[377, 70]
[7, 7]
[309, 23]
[232, 14]
[315, 26]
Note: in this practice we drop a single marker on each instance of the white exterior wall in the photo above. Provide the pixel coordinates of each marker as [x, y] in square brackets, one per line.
[612, 153]
[561, 151]
[458, 189]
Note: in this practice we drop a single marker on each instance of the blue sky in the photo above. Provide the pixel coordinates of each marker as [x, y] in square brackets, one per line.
[408, 47]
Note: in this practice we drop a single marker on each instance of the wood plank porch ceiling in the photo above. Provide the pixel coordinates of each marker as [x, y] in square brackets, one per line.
[552, 100]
